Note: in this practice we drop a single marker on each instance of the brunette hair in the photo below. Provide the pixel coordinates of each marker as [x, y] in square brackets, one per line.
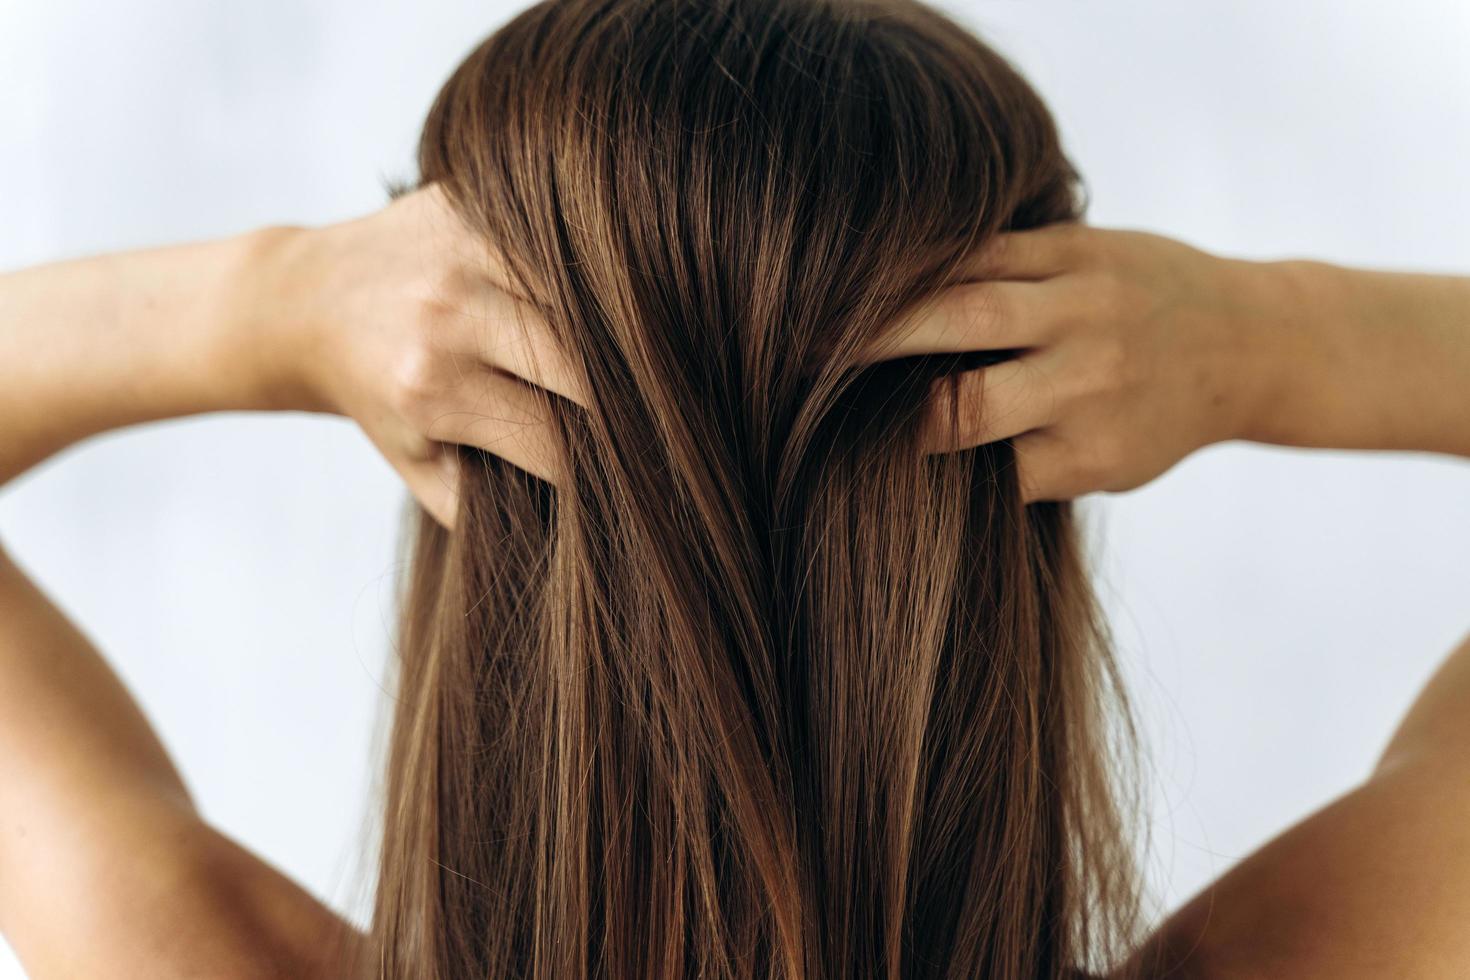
[760, 690]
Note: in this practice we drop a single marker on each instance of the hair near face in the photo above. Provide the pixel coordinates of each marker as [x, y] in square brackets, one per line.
[760, 690]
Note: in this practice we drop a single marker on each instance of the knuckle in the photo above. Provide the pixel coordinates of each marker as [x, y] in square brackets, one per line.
[446, 294]
[1095, 465]
[1069, 483]
[413, 381]
[1053, 398]
[1104, 371]
[1111, 360]
[1072, 392]
[981, 308]
[1034, 473]
[1071, 243]
[1027, 470]
[1107, 453]
[1108, 297]
[993, 305]
[1071, 470]
[416, 448]
[449, 280]
[1069, 235]
[431, 318]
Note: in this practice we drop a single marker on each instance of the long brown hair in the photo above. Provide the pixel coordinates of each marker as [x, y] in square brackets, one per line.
[760, 690]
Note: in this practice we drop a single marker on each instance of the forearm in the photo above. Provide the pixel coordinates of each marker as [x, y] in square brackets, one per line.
[96, 343]
[1363, 359]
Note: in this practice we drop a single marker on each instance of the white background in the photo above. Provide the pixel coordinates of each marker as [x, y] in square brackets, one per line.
[1276, 610]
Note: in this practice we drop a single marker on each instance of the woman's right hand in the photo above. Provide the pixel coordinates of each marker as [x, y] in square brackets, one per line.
[402, 320]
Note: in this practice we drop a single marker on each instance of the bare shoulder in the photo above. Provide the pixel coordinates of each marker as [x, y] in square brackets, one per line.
[252, 910]
[180, 899]
[1374, 884]
[107, 868]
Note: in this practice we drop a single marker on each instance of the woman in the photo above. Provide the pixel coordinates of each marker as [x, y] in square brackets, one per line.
[743, 357]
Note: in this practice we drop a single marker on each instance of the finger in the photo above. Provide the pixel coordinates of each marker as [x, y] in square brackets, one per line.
[1046, 468]
[519, 341]
[969, 317]
[503, 416]
[1035, 253]
[434, 482]
[510, 334]
[503, 329]
[988, 403]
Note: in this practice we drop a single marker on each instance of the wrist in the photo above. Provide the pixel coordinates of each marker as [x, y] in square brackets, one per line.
[1278, 310]
[1360, 359]
[267, 328]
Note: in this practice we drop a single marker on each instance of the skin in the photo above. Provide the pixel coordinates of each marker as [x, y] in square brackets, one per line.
[1136, 350]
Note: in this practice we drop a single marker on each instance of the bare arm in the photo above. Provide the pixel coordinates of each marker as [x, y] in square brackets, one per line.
[106, 866]
[1363, 359]
[400, 319]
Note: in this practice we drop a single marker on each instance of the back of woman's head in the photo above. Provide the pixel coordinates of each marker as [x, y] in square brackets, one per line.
[759, 689]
